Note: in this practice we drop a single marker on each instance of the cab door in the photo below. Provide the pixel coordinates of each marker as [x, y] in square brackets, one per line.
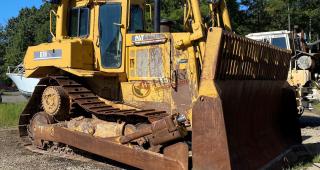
[111, 30]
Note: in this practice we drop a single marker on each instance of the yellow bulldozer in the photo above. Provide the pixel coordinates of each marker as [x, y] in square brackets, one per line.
[200, 99]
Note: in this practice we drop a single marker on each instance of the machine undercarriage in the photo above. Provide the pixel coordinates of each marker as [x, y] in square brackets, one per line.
[69, 109]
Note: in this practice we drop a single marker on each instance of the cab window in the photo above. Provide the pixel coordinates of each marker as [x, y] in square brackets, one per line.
[110, 35]
[79, 22]
[136, 19]
[279, 42]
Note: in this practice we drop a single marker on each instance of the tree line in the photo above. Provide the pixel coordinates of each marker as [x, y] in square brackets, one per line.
[31, 26]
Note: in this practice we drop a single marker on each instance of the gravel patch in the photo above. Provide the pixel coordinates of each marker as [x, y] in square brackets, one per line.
[13, 156]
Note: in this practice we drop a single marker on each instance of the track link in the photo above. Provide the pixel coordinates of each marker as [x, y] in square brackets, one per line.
[90, 102]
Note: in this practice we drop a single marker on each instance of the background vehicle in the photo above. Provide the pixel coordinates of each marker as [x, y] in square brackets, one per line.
[304, 67]
[25, 86]
[203, 99]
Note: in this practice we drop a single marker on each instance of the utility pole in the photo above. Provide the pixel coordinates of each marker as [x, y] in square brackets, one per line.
[318, 43]
[310, 26]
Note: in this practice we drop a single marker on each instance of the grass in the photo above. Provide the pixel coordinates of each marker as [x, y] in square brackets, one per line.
[9, 114]
[316, 159]
[317, 107]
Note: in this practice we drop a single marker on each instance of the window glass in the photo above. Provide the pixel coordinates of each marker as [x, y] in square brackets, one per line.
[74, 23]
[79, 22]
[84, 22]
[110, 35]
[279, 42]
[136, 19]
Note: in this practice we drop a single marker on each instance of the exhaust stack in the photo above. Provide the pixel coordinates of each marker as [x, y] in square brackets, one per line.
[157, 4]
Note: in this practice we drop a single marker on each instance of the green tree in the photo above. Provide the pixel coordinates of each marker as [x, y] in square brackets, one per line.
[30, 27]
[300, 11]
[255, 17]
[174, 11]
[2, 49]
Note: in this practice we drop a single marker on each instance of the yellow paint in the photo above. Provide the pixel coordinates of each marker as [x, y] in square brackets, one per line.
[81, 55]
[207, 87]
[299, 77]
[76, 54]
[156, 94]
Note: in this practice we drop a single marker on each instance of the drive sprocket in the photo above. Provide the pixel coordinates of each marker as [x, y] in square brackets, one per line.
[55, 102]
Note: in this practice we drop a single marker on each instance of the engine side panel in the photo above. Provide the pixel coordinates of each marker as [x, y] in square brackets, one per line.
[68, 54]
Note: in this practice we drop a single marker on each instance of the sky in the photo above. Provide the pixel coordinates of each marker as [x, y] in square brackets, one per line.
[11, 8]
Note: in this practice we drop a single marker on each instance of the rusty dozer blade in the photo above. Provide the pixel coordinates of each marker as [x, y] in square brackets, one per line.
[246, 113]
[110, 149]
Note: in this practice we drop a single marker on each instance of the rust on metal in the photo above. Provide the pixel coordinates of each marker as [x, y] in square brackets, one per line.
[107, 148]
[131, 137]
[251, 117]
[209, 139]
[161, 131]
[244, 59]
[180, 152]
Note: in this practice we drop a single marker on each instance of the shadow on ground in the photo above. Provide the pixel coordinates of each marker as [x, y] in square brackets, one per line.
[309, 121]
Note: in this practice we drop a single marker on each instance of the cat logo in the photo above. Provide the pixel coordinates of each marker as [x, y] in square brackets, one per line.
[138, 38]
[141, 89]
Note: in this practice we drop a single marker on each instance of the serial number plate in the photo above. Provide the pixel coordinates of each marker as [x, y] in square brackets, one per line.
[49, 54]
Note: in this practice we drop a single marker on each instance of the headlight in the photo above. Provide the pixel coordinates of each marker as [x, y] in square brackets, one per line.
[304, 62]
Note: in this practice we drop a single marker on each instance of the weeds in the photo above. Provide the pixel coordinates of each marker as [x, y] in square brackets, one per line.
[306, 164]
[9, 114]
[316, 159]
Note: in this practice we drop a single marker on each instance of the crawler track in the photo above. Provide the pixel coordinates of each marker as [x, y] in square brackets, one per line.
[81, 97]
[87, 100]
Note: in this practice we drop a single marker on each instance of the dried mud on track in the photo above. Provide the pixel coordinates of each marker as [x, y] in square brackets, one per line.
[13, 156]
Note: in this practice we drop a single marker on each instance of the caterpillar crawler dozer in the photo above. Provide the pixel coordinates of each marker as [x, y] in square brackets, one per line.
[201, 99]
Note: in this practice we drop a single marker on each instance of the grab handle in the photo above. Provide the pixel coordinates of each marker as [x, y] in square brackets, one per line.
[55, 14]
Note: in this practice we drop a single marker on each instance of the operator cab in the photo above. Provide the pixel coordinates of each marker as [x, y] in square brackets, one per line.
[279, 39]
[111, 25]
[104, 37]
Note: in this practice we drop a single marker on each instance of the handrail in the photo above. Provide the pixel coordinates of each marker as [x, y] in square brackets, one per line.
[129, 13]
[19, 69]
[313, 43]
[52, 12]
[150, 9]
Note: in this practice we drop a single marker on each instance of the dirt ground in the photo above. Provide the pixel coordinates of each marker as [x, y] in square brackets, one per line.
[13, 156]
[310, 123]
